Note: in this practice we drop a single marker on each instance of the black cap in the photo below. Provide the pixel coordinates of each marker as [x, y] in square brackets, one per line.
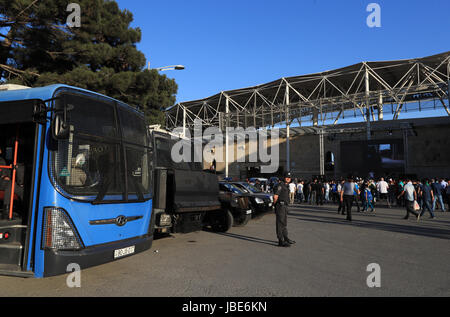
[287, 175]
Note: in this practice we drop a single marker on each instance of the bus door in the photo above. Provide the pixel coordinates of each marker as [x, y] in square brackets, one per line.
[19, 160]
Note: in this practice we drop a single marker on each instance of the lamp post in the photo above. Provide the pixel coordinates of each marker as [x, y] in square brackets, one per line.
[171, 67]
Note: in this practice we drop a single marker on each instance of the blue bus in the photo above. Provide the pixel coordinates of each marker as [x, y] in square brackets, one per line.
[76, 185]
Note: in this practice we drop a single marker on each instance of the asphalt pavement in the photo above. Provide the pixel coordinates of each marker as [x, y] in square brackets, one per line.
[331, 258]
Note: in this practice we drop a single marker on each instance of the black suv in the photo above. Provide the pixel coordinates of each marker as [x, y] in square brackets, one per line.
[260, 201]
[236, 202]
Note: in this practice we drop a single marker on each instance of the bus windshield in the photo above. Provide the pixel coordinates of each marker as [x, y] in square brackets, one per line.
[99, 161]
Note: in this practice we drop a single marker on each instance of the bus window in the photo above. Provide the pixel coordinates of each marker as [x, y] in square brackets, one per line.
[138, 175]
[85, 168]
[90, 116]
[133, 129]
[89, 164]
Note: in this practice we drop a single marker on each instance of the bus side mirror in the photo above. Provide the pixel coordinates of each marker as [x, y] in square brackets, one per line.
[60, 128]
[39, 112]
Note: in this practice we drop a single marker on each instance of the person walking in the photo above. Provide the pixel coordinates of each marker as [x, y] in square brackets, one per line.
[447, 191]
[339, 189]
[437, 191]
[333, 190]
[292, 189]
[313, 197]
[347, 196]
[307, 191]
[418, 185]
[391, 192]
[327, 192]
[427, 198]
[400, 202]
[382, 188]
[410, 197]
[281, 200]
[300, 191]
[356, 193]
[368, 199]
[320, 193]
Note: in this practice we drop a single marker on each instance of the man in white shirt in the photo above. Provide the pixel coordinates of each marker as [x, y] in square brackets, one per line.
[327, 192]
[300, 191]
[410, 197]
[292, 189]
[382, 188]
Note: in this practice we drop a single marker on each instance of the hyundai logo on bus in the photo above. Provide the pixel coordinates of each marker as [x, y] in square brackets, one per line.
[121, 221]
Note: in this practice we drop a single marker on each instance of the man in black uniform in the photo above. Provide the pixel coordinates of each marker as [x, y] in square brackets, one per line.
[281, 200]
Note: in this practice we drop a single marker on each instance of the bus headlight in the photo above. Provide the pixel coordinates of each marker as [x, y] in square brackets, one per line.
[59, 232]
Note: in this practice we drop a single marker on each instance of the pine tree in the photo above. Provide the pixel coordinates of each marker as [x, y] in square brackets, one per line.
[37, 48]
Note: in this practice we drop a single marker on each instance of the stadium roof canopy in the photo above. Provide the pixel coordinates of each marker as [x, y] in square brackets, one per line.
[363, 89]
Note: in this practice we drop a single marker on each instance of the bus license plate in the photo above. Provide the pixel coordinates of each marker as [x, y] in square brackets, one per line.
[123, 252]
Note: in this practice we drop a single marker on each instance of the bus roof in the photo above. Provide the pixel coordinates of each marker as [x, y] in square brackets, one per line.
[45, 93]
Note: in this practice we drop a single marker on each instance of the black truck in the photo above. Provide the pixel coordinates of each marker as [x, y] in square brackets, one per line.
[186, 198]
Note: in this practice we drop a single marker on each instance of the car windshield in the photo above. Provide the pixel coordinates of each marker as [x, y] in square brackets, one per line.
[233, 188]
[242, 187]
[251, 188]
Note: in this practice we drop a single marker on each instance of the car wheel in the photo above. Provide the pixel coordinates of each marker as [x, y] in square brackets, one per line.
[243, 220]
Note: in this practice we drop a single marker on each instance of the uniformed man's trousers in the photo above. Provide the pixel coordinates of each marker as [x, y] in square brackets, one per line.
[281, 221]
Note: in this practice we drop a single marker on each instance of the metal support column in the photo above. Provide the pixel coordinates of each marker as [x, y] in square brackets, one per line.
[367, 104]
[321, 152]
[227, 123]
[315, 117]
[405, 149]
[448, 91]
[380, 107]
[184, 122]
[288, 132]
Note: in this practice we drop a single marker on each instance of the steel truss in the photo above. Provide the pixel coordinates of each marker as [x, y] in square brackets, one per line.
[358, 90]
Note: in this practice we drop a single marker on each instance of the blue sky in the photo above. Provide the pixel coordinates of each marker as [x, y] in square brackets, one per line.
[234, 44]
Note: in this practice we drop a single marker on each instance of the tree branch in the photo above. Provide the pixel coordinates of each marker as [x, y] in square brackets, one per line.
[16, 71]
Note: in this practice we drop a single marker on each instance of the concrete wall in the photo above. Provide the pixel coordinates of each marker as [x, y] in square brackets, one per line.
[427, 153]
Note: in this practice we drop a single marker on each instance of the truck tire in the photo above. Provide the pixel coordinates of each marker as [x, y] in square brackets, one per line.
[243, 220]
[223, 222]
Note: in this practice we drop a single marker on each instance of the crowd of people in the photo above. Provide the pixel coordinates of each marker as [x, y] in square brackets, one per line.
[365, 194]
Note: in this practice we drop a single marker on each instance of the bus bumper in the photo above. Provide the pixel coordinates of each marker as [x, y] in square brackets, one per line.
[57, 262]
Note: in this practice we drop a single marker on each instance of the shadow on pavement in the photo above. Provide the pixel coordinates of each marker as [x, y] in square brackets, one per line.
[246, 238]
[406, 229]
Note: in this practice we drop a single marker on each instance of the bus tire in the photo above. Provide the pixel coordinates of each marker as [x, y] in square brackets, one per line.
[223, 222]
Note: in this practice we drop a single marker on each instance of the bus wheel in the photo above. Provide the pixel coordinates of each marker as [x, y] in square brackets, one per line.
[223, 222]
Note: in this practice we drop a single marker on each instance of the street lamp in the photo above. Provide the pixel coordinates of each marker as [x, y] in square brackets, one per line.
[171, 67]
